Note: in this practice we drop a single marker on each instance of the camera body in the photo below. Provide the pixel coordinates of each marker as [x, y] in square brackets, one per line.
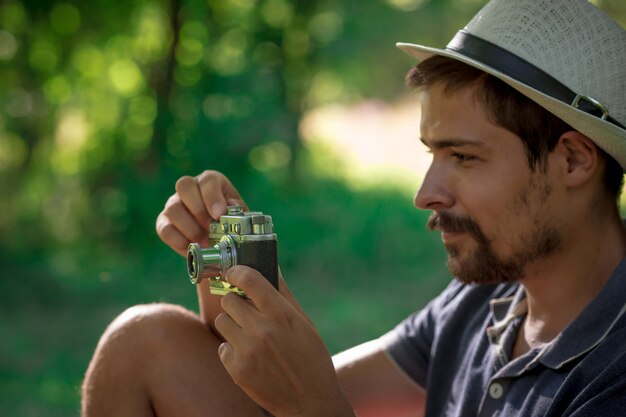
[238, 238]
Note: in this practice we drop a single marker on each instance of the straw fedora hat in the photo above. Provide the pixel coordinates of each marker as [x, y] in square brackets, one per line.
[566, 55]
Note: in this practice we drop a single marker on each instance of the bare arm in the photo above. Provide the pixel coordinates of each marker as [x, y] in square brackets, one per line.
[186, 217]
[375, 386]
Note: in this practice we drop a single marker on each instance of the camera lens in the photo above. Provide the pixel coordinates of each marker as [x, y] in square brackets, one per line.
[203, 263]
[191, 265]
[194, 266]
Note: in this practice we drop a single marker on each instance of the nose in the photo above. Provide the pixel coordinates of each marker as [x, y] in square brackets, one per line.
[435, 192]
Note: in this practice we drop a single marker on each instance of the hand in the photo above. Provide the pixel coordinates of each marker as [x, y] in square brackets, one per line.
[198, 201]
[273, 352]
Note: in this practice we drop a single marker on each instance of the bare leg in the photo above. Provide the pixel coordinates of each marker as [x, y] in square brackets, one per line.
[160, 360]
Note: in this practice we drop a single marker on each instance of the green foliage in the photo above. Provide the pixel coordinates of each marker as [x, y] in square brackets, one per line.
[105, 104]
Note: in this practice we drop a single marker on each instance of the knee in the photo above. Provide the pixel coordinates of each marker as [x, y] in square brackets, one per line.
[147, 334]
[139, 344]
[152, 317]
[149, 327]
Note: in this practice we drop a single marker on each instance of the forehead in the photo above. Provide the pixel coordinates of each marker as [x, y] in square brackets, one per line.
[447, 115]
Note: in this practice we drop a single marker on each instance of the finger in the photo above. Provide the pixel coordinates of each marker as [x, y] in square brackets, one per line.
[237, 202]
[184, 221]
[228, 328]
[189, 192]
[242, 311]
[226, 354]
[257, 288]
[171, 235]
[217, 191]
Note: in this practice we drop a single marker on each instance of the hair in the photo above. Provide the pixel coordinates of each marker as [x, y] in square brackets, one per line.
[538, 129]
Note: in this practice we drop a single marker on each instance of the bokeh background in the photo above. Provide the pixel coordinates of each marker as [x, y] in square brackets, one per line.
[301, 103]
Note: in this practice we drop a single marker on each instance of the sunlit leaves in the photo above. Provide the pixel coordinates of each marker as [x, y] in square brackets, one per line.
[228, 56]
[125, 77]
[103, 109]
[193, 38]
[232, 12]
[189, 52]
[89, 61]
[152, 35]
[277, 13]
[270, 156]
[57, 90]
[405, 5]
[326, 25]
[326, 87]
[98, 93]
[70, 138]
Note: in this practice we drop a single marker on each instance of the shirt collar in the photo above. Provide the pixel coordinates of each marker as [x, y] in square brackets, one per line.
[592, 326]
[505, 313]
[588, 330]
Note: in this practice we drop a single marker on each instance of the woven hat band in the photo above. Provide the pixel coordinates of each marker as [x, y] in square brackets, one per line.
[523, 71]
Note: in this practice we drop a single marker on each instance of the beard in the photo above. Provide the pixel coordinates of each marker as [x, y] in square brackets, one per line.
[483, 265]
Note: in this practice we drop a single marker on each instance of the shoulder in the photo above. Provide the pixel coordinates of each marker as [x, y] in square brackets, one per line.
[458, 305]
[453, 319]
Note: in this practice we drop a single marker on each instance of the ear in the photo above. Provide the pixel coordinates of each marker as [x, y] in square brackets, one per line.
[578, 156]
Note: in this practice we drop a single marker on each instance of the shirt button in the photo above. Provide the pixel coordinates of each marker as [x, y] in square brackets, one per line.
[496, 391]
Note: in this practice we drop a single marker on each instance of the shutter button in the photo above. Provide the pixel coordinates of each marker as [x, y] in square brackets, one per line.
[496, 391]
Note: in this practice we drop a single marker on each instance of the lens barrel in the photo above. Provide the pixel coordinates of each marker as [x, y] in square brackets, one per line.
[211, 262]
[203, 263]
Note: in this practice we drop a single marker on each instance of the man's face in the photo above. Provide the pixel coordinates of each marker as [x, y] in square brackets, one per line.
[492, 210]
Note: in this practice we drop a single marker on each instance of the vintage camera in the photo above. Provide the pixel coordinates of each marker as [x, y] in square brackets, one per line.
[239, 238]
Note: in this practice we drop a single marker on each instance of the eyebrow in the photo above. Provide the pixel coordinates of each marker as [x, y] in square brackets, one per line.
[447, 143]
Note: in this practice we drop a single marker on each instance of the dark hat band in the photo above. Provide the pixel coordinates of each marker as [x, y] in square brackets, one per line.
[523, 71]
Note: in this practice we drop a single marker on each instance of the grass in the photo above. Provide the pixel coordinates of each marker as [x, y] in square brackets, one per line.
[358, 263]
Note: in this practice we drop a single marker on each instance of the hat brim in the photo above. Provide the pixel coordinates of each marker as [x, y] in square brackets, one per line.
[609, 137]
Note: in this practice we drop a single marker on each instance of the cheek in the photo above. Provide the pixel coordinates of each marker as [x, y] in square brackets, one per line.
[482, 200]
[501, 210]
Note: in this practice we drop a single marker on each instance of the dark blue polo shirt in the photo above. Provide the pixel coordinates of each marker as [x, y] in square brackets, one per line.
[458, 348]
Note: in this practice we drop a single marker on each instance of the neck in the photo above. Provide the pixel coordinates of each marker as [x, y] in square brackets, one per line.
[560, 287]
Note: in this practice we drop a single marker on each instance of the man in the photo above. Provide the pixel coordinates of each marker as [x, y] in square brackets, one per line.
[524, 113]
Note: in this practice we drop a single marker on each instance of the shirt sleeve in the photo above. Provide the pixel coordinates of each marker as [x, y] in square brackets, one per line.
[409, 343]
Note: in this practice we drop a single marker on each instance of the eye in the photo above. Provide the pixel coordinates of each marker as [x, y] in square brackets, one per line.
[461, 157]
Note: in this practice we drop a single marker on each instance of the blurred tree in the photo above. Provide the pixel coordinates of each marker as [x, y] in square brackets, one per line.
[106, 104]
